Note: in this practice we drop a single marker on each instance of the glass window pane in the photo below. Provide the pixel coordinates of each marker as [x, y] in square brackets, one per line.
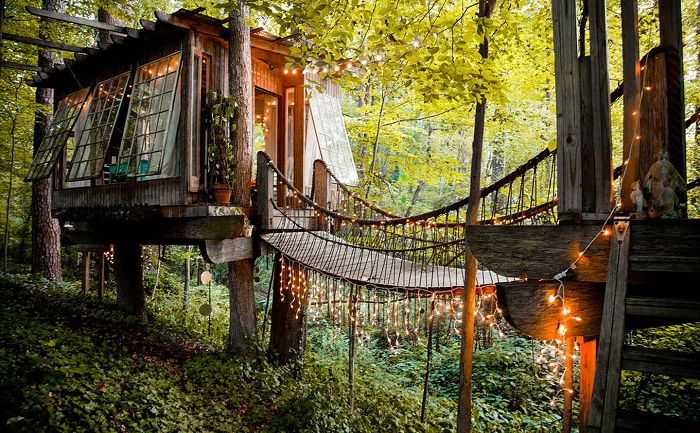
[93, 142]
[61, 125]
[332, 137]
[150, 114]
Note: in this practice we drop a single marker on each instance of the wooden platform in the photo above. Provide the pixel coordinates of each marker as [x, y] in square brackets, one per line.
[151, 224]
[544, 251]
[333, 256]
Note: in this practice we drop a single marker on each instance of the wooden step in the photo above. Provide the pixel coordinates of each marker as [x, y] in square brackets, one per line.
[663, 263]
[638, 421]
[659, 361]
[682, 309]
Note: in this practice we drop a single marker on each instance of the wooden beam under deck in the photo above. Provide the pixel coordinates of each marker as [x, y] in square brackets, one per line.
[543, 251]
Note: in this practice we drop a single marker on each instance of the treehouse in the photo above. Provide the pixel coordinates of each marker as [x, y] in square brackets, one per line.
[130, 144]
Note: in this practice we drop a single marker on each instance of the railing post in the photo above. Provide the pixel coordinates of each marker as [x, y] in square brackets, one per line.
[264, 183]
[321, 191]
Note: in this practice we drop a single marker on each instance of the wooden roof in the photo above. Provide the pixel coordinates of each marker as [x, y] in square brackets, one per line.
[181, 20]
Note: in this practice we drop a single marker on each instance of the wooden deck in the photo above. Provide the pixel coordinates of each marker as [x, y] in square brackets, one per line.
[334, 256]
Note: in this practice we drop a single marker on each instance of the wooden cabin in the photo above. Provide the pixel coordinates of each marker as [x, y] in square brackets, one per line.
[128, 142]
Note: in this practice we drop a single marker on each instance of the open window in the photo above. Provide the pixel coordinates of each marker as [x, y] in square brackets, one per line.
[93, 142]
[201, 83]
[55, 139]
[148, 142]
[332, 137]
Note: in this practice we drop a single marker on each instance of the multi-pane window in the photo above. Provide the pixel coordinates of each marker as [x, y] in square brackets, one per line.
[91, 148]
[60, 129]
[332, 137]
[149, 116]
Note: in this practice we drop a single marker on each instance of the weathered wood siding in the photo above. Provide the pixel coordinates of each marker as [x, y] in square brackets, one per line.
[266, 77]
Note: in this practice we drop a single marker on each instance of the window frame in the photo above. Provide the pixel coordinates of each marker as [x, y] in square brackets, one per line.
[83, 140]
[136, 86]
[54, 141]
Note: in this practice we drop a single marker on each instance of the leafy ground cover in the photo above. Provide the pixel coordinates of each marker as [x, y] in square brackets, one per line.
[70, 363]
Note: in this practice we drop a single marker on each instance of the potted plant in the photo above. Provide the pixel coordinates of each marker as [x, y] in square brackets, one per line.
[221, 162]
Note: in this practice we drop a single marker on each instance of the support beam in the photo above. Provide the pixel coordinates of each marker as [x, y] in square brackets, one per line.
[86, 272]
[128, 273]
[19, 67]
[101, 276]
[671, 34]
[227, 250]
[75, 20]
[321, 191]
[288, 320]
[568, 108]
[41, 43]
[587, 354]
[600, 105]
[631, 95]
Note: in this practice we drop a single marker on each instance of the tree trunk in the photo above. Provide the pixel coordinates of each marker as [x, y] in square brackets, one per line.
[286, 327]
[187, 277]
[241, 295]
[128, 274]
[46, 232]
[241, 89]
[464, 408]
[241, 336]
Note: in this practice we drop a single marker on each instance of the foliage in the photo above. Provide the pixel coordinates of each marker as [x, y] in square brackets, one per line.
[219, 113]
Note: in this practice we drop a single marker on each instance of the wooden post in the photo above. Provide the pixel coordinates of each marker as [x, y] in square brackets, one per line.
[600, 107]
[568, 108]
[653, 114]
[428, 359]
[321, 190]
[568, 386]
[264, 184]
[587, 354]
[612, 332]
[86, 273]
[352, 336]
[101, 276]
[671, 30]
[631, 93]
[128, 274]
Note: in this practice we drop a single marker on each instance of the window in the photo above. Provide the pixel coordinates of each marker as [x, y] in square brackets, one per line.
[146, 133]
[265, 125]
[92, 144]
[59, 130]
[332, 137]
[289, 133]
[200, 87]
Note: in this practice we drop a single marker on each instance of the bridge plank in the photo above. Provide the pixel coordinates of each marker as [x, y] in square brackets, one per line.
[363, 266]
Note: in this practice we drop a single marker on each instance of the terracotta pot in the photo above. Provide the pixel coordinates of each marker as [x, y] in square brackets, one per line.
[221, 193]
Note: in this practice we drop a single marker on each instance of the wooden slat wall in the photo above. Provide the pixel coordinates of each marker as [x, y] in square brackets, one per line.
[161, 192]
[266, 78]
[329, 87]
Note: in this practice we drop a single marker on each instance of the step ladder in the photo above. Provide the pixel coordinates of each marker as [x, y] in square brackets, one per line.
[614, 356]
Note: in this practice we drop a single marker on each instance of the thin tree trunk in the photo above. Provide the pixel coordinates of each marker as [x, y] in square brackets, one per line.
[242, 295]
[46, 232]
[187, 277]
[375, 149]
[8, 203]
[464, 409]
